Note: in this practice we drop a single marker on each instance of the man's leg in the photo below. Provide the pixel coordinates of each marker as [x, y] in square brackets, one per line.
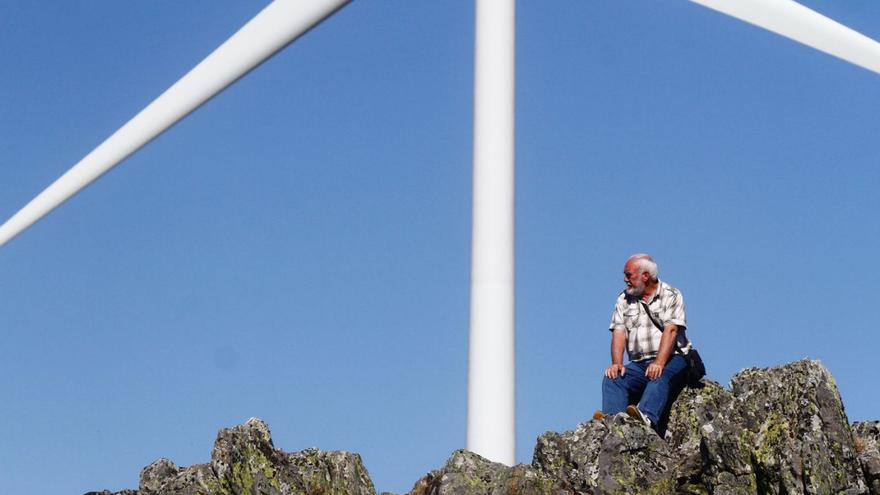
[616, 392]
[658, 392]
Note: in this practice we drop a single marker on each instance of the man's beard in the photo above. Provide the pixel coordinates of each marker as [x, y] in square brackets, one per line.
[636, 290]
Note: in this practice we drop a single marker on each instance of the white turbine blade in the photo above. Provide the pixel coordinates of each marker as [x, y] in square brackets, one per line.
[791, 19]
[272, 29]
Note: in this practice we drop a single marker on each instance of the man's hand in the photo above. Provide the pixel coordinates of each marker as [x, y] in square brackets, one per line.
[654, 371]
[614, 371]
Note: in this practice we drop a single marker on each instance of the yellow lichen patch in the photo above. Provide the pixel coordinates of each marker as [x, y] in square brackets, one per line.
[774, 433]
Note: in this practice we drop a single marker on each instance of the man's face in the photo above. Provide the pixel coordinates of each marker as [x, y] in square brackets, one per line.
[635, 280]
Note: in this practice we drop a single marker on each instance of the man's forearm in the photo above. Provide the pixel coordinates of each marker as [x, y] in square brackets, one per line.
[667, 345]
[618, 344]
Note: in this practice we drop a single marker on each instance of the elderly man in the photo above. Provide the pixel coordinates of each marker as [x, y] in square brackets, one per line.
[648, 321]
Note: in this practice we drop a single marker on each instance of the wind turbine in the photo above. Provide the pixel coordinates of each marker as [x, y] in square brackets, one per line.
[491, 377]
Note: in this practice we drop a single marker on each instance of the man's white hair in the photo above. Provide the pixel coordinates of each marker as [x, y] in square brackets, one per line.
[645, 263]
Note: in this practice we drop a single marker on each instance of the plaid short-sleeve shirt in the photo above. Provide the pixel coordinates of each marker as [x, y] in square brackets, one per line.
[642, 336]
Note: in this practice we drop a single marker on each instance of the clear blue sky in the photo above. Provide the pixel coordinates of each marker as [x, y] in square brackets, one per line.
[298, 249]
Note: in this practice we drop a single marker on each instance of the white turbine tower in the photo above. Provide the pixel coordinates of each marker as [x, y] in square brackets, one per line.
[491, 431]
[491, 354]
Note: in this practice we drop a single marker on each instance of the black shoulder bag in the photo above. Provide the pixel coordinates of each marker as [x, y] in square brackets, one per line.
[696, 369]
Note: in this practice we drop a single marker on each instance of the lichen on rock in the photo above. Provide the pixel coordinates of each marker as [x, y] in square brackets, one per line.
[713, 451]
[614, 455]
[803, 441]
[467, 473]
[245, 462]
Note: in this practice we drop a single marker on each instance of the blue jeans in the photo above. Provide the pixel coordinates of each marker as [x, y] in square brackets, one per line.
[634, 387]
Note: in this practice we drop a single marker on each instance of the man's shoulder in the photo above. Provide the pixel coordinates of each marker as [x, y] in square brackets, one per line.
[668, 290]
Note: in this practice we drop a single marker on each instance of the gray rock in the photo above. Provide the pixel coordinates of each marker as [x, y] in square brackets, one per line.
[329, 473]
[867, 444]
[781, 430]
[712, 449]
[467, 473]
[163, 477]
[245, 461]
[802, 439]
[615, 455]
[155, 475]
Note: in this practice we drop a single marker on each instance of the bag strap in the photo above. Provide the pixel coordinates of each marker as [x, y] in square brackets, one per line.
[651, 315]
[657, 324]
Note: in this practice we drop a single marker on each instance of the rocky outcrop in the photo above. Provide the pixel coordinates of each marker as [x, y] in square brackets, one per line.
[244, 462]
[614, 455]
[713, 451]
[778, 430]
[803, 441]
[705, 451]
[775, 431]
[466, 473]
[867, 445]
